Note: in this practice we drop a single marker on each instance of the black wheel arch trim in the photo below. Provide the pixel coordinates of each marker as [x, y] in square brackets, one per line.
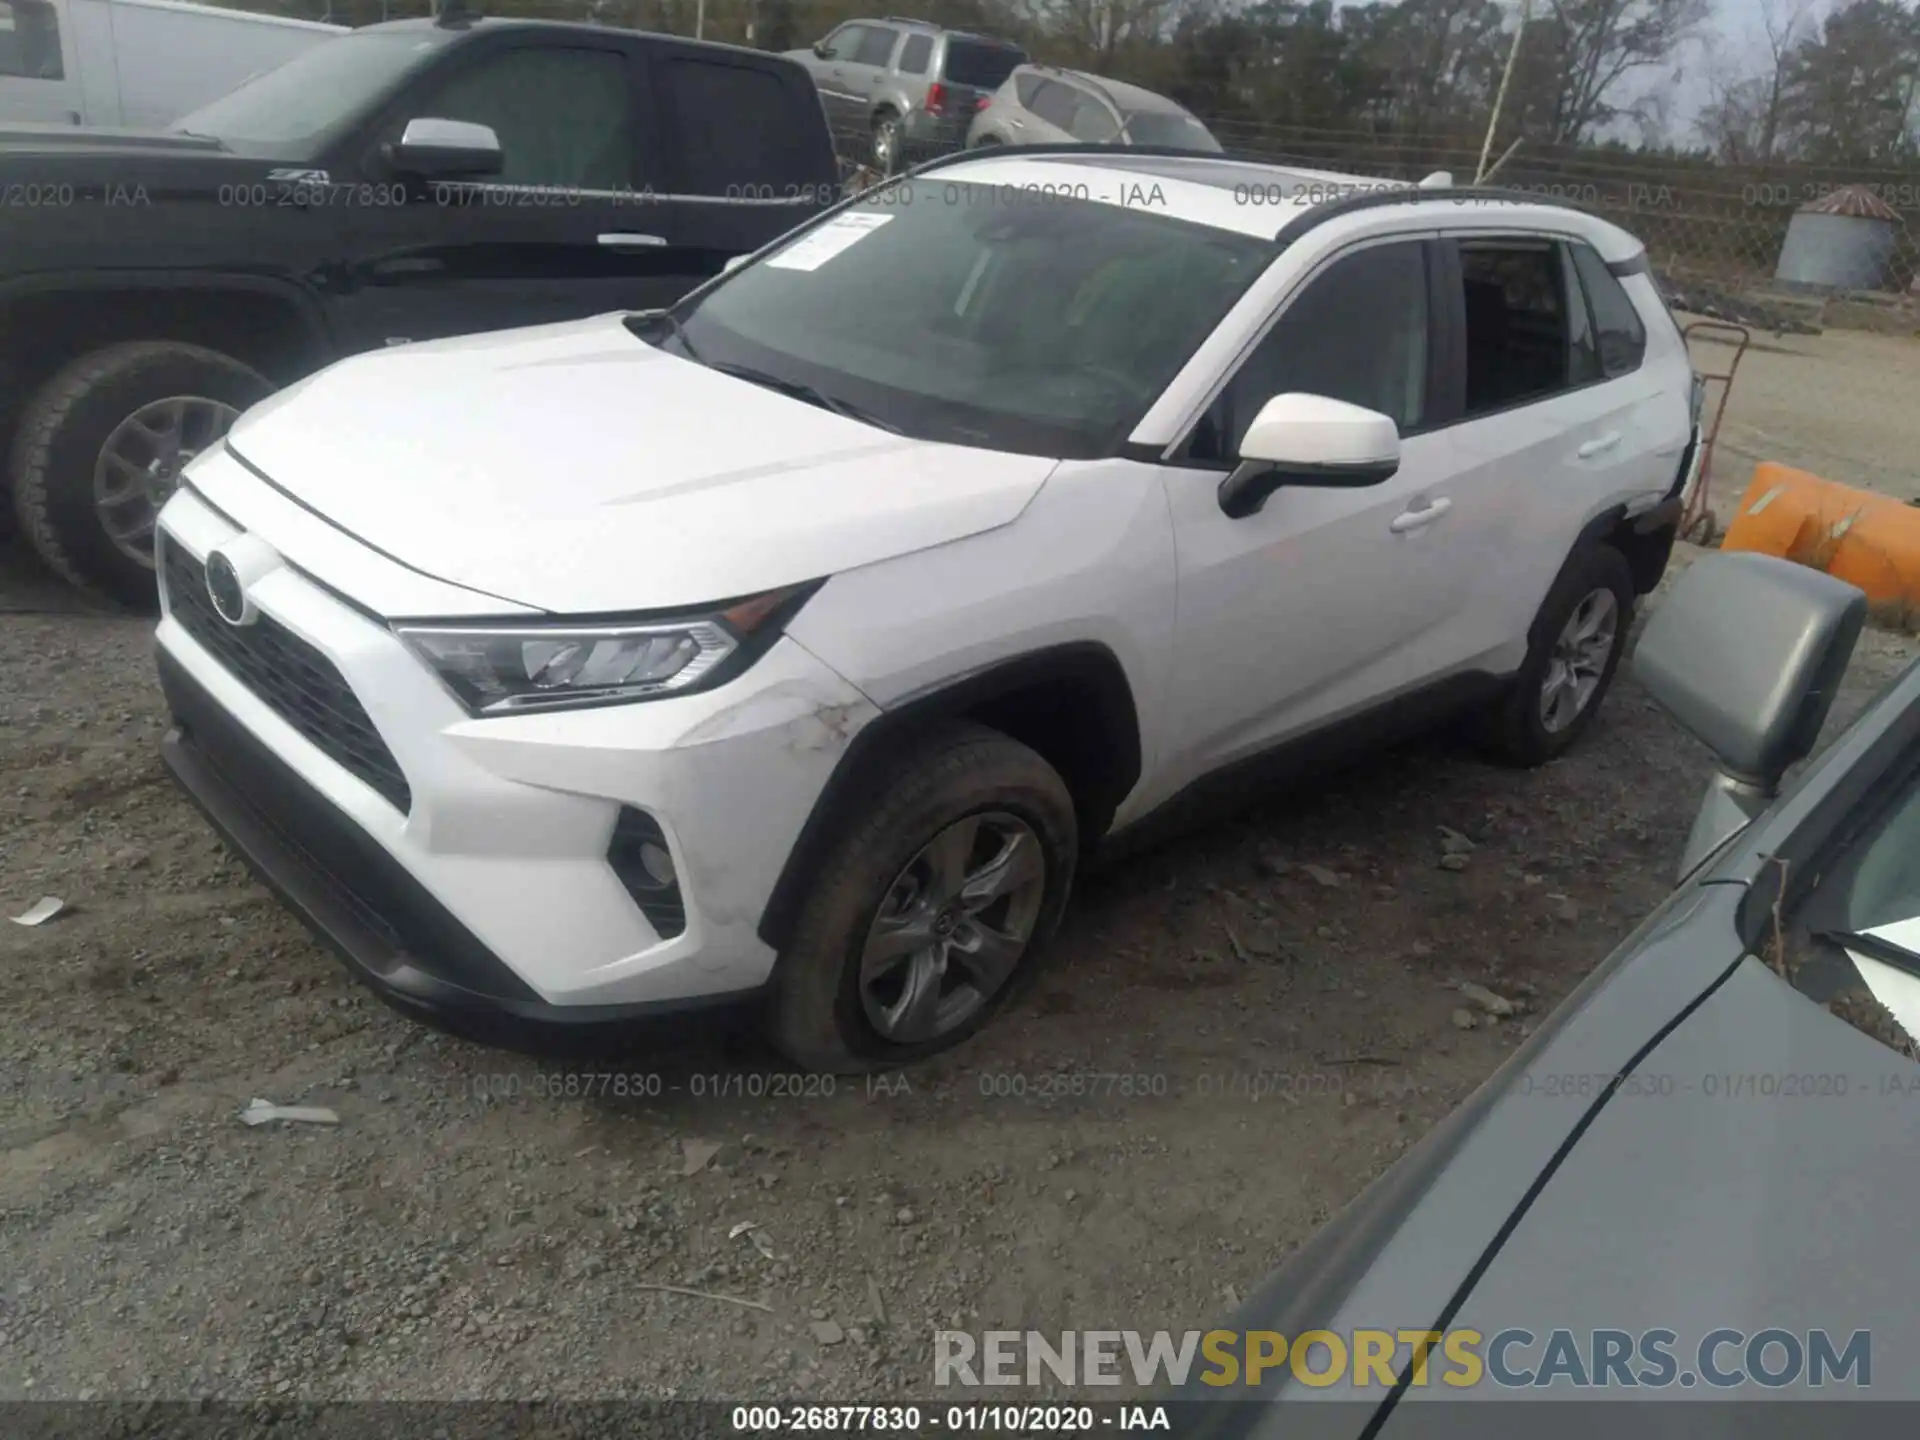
[1085, 662]
[54, 282]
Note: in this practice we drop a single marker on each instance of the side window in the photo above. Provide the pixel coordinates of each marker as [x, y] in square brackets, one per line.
[1519, 343]
[1025, 88]
[1092, 121]
[564, 117]
[30, 40]
[876, 46]
[915, 54]
[844, 42]
[1358, 333]
[1584, 360]
[1623, 337]
[1053, 103]
[735, 127]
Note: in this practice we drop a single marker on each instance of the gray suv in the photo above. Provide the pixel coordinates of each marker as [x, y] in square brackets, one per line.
[898, 91]
[1040, 105]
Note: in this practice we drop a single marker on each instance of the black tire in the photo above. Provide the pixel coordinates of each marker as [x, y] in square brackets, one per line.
[988, 142]
[1513, 730]
[886, 143]
[816, 1017]
[62, 431]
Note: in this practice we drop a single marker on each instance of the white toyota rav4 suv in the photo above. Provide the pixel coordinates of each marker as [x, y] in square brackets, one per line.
[792, 648]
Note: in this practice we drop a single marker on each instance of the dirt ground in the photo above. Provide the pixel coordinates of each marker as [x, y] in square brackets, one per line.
[1259, 1018]
[1841, 404]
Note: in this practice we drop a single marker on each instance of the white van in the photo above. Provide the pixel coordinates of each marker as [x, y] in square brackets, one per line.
[134, 64]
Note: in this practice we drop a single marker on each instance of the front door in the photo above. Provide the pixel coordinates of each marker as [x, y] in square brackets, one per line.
[1326, 600]
[834, 74]
[567, 229]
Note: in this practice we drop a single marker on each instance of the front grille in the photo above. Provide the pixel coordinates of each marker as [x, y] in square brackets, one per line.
[300, 684]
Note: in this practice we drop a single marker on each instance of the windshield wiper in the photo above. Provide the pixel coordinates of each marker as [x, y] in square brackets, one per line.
[674, 327]
[801, 391]
[1874, 947]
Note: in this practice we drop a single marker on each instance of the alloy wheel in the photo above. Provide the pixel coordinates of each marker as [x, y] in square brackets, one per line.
[1579, 660]
[952, 928]
[139, 466]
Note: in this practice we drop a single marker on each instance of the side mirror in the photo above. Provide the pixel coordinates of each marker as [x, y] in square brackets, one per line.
[1747, 653]
[819, 48]
[436, 149]
[1310, 440]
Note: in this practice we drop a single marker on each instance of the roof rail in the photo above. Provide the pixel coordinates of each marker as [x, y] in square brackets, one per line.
[1408, 194]
[1391, 192]
[1041, 152]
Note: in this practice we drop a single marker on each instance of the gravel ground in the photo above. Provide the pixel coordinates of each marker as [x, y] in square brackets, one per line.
[1260, 1017]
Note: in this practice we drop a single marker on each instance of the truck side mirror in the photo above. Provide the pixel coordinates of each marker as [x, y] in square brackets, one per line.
[435, 149]
[1747, 653]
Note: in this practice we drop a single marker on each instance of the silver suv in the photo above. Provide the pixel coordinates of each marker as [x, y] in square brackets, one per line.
[899, 90]
[1039, 105]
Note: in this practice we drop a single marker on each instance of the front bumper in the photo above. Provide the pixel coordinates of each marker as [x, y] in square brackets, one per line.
[479, 877]
[392, 934]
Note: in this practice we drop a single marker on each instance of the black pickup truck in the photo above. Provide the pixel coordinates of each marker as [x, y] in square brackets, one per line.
[404, 182]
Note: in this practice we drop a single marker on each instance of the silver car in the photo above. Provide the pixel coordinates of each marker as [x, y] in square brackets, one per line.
[1039, 105]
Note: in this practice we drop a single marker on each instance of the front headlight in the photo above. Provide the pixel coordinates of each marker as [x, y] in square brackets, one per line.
[513, 668]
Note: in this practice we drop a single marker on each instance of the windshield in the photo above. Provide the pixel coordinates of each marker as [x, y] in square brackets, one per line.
[950, 313]
[981, 65]
[1171, 129]
[300, 101]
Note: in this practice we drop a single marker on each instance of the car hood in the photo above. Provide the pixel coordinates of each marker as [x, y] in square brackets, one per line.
[577, 469]
[1757, 1170]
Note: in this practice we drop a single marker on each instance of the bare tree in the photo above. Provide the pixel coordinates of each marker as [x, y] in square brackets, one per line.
[1744, 120]
[1575, 55]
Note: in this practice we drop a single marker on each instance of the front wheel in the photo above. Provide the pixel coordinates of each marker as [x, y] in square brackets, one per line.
[927, 912]
[100, 449]
[1574, 648]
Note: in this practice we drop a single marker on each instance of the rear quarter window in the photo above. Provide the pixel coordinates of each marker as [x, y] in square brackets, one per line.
[740, 126]
[980, 64]
[1621, 333]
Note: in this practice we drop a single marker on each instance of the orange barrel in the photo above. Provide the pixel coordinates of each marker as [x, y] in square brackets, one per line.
[1854, 535]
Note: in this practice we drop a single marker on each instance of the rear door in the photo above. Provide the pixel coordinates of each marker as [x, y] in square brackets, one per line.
[565, 230]
[1544, 440]
[747, 160]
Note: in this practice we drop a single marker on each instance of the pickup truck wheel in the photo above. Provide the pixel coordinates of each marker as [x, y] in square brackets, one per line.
[1574, 648]
[100, 448]
[886, 144]
[927, 912]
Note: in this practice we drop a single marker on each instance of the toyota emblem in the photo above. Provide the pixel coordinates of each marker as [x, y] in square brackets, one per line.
[223, 589]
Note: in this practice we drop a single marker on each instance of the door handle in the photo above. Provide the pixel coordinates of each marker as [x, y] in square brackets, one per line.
[1598, 447]
[633, 242]
[1413, 519]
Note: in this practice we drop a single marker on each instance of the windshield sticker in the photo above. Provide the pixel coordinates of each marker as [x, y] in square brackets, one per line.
[842, 232]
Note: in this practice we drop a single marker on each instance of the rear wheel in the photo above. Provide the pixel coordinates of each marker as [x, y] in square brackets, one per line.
[927, 912]
[1574, 648]
[887, 141]
[100, 449]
